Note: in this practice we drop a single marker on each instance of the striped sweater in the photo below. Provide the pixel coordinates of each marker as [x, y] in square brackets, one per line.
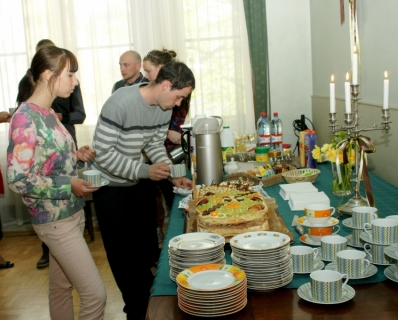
[127, 126]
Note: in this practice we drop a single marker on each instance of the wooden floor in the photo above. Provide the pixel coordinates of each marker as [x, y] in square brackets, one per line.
[24, 288]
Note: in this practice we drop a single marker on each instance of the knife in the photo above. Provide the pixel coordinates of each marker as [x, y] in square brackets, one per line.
[299, 228]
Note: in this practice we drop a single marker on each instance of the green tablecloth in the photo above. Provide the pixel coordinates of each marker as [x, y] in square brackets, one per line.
[386, 200]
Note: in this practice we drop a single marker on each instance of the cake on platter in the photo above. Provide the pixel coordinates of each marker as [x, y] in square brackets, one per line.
[230, 209]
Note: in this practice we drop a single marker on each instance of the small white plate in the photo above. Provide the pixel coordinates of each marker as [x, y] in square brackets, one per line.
[257, 241]
[371, 271]
[305, 222]
[369, 238]
[196, 241]
[348, 224]
[392, 251]
[182, 191]
[319, 264]
[391, 272]
[307, 240]
[349, 242]
[304, 292]
[104, 182]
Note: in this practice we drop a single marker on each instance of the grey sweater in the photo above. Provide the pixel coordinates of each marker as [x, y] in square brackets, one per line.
[127, 126]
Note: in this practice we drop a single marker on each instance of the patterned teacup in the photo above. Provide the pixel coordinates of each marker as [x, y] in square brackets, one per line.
[384, 231]
[317, 233]
[356, 241]
[93, 176]
[352, 262]
[327, 285]
[376, 254]
[330, 245]
[303, 258]
[362, 215]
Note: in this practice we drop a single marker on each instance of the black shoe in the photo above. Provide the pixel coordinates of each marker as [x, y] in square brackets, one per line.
[44, 261]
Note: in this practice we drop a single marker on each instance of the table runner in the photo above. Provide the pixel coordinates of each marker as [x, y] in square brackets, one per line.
[386, 201]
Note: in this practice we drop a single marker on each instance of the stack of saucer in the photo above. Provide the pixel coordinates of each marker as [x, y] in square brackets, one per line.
[265, 258]
[353, 239]
[191, 249]
[212, 290]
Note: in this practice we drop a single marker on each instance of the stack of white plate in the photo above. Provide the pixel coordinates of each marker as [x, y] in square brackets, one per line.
[191, 249]
[265, 258]
[212, 290]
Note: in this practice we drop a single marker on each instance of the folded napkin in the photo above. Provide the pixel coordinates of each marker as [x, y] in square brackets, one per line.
[299, 187]
[298, 201]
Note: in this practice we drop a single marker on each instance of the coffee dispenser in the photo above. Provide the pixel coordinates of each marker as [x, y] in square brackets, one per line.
[209, 165]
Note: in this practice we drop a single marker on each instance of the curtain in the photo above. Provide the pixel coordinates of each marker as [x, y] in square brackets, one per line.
[208, 35]
[257, 31]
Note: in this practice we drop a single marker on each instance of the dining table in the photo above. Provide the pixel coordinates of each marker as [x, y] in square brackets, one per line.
[376, 297]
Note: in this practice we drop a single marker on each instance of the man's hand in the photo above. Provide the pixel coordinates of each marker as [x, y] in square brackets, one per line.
[174, 136]
[59, 115]
[5, 116]
[86, 153]
[183, 183]
[159, 171]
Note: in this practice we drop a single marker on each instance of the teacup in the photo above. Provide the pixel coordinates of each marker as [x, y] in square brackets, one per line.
[330, 245]
[356, 240]
[303, 258]
[327, 285]
[384, 231]
[376, 254]
[352, 262]
[93, 176]
[362, 215]
[317, 233]
[178, 170]
[317, 210]
[392, 217]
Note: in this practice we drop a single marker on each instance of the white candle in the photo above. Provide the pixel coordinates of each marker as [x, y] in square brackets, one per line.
[347, 94]
[332, 96]
[355, 67]
[386, 89]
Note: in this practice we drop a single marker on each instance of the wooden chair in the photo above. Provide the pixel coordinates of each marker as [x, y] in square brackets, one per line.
[89, 215]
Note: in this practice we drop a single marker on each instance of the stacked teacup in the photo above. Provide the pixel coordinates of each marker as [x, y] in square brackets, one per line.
[360, 216]
[319, 222]
[379, 234]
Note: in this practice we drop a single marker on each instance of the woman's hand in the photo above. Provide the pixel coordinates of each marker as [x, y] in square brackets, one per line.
[174, 136]
[183, 183]
[159, 171]
[5, 116]
[79, 187]
[86, 153]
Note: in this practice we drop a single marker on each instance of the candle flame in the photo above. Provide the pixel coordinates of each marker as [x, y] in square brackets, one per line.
[347, 76]
[332, 78]
[385, 75]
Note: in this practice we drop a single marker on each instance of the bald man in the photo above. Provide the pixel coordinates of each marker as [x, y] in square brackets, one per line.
[130, 65]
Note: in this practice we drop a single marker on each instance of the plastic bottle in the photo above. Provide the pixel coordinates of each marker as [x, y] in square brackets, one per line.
[264, 131]
[276, 133]
[227, 143]
[259, 119]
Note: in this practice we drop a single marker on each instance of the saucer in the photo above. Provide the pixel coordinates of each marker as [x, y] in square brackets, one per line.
[318, 266]
[307, 240]
[304, 222]
[348, 224]
[304, 292]
[368, 238]
[349, 242]
[104, 182]
[392, 251]
[371, 271]
[391, 272]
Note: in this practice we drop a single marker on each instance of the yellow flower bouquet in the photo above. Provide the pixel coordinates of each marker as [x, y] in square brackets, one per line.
[341, 184]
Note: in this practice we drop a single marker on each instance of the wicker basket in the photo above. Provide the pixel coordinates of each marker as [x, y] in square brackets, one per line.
[297, 175]
[276, 178]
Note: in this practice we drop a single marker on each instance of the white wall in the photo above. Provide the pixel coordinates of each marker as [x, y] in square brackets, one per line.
[289, 45]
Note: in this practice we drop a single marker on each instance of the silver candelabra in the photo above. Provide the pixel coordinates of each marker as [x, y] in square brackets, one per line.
[353, 130]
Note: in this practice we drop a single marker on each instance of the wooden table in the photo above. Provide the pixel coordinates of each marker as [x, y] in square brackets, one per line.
[377, 300]
[371, 301]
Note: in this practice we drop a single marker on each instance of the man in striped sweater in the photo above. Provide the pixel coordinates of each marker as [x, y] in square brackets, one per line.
[132, 120]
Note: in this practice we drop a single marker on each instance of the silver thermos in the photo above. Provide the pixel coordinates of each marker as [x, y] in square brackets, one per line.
[209, 165]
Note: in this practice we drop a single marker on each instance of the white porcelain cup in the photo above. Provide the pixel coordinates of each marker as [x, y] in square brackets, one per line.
[303, 258]
[331, 245]
[327, 285]
[384, 231]
[316, 233]
[93, 176]
[352, 262]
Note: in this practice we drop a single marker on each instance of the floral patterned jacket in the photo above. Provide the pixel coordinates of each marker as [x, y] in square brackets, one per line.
[41, 159]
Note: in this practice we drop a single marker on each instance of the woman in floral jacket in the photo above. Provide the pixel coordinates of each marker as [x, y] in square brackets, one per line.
[42, 166]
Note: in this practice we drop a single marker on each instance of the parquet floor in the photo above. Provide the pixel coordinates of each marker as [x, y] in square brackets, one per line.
[24, 288]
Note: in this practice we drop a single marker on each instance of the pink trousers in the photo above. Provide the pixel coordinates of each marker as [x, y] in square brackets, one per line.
[72, 266]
